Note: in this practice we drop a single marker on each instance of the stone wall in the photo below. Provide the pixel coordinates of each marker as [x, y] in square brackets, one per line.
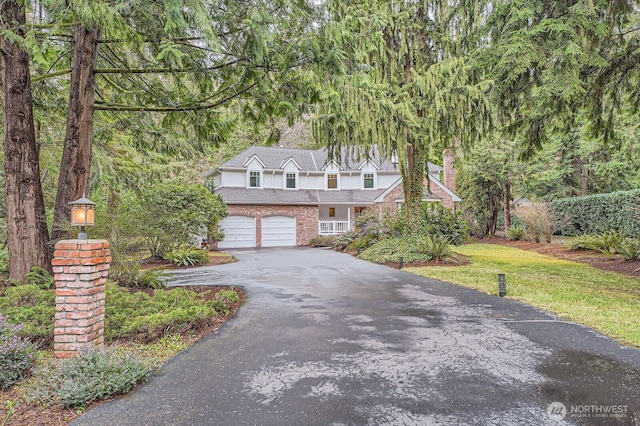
[80, 270]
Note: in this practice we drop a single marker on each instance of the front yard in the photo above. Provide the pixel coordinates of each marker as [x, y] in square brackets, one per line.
[605, 301]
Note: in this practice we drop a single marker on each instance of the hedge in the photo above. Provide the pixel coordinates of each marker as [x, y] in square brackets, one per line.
[593, 214]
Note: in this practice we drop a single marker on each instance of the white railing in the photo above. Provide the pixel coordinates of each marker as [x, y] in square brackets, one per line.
[331, 227]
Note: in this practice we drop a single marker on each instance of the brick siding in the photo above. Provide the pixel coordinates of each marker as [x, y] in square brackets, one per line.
[306, 219]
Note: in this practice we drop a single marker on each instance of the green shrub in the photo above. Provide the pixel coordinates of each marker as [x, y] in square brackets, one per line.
[187, 256]
[434, 246]
[586, 242]
[93, 376]
[609, 243]
[136, 278]
[17, 354]
[229, 296]
[440, 221]
[391, 249]
[168, 214]
[35, 308]
[140, 317]
[629, 249]
[343, 240]
[40, 277]
[323, 241]
[595, 214]
[363, 242]
[4, 261]
[515, 233]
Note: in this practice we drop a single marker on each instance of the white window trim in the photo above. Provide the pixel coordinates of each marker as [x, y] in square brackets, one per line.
[326, 181]
[284, 180]
[261, 177]
[375, 181]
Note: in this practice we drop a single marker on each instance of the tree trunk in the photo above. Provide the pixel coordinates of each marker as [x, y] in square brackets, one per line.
[412, 182]
[27, 234]
[507, 207]
[75, 166]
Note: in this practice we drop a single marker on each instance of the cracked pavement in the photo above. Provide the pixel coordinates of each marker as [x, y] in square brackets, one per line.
[326, 339]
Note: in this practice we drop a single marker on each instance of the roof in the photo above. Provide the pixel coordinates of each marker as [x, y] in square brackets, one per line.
[274, 158]
[309, 197]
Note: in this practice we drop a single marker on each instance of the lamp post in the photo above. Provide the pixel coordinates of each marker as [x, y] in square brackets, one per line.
[83, 215]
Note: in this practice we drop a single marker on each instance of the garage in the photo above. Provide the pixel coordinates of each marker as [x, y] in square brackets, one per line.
[239, 232]
[278, 231]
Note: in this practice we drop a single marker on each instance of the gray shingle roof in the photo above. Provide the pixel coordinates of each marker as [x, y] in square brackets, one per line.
[309, 160]
[298, 197]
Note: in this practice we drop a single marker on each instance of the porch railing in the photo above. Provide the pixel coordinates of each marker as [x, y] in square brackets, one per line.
[331, 227]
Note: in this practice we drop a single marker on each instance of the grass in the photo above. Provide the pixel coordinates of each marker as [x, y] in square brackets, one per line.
[605, 301]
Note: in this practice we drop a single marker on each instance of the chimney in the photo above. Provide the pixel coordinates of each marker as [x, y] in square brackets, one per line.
[448, 164]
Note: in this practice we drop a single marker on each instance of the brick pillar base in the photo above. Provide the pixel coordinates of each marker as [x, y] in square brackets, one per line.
[80, 269]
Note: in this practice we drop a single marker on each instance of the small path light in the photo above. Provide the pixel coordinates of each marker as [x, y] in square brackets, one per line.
[401, 263]
[83, 215]
[502, 285]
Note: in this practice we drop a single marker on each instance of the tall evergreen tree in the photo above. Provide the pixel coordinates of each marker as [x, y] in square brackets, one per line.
[407, 86]
[27, 236]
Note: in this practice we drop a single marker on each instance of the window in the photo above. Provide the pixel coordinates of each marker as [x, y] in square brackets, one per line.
[332, 181]
[332, 212]
[291, 181]
[368, 181]
[254, 179]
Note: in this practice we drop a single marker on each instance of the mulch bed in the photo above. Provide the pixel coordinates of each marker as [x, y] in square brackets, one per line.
[455, 260]
[558, 250]
[158, 263]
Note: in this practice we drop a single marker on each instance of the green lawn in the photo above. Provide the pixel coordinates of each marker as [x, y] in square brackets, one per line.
[605, 301]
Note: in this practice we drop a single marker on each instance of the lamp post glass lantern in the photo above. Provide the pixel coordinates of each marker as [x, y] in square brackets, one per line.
[83, 215]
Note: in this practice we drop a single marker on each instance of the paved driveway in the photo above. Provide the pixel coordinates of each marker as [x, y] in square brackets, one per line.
[326, 339]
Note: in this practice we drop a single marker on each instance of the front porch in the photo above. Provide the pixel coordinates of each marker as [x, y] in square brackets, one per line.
[337, 219]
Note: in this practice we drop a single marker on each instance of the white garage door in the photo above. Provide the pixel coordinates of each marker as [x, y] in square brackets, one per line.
[239, 232]
[278, 231]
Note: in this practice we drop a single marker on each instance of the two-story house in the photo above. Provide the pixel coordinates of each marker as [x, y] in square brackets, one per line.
[285, 197]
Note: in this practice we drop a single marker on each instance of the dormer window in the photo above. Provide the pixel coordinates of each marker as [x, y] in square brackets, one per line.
[291, 180]
[368, 180]
[332, 181]
[255, 179]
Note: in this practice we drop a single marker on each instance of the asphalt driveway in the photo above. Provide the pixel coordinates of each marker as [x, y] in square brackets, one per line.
[326, 339]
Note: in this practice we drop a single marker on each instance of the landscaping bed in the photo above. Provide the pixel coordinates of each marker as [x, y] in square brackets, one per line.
[15, 411]
[559, 250]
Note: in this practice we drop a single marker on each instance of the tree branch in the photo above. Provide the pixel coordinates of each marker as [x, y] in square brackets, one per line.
[182, 108]
[161, 70]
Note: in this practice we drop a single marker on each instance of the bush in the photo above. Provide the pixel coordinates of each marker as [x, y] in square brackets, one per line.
[515, 233]
[35, 308]
[609, 243]
[187, 256]
[629, 248]
[343, 240]
[93, 376]
[140, 317]
[595, 214]
[136, 278]
[4, 262]
[323, 241]
[17, 354]
[538, 221]
[40, 277]
[416, 249]
[167, 215]
[436, 247]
